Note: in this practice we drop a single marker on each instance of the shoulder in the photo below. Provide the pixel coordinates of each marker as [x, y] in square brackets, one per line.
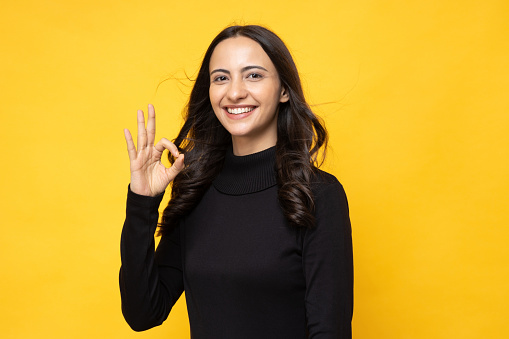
[332, 221]
[323, 183]
[329, 194]
[321, 177]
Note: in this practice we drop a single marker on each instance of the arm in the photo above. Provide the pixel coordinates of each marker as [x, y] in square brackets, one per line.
[150, 283]
[328, 265]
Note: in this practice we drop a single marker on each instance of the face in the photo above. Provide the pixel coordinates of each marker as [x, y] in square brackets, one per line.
[245, 92]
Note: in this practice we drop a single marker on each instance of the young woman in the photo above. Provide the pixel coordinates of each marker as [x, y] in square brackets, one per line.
[257, 237]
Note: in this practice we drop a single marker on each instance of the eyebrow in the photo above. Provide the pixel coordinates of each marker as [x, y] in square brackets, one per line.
[247, 68]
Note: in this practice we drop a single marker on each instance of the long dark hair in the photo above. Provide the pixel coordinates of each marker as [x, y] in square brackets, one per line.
[300, 135]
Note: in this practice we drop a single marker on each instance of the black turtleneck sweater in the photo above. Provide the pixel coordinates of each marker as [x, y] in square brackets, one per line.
[245, 272]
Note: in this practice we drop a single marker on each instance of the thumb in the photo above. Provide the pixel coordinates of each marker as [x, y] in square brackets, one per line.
[177, 166]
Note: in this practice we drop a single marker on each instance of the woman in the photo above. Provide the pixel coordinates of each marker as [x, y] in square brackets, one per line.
[257, 237]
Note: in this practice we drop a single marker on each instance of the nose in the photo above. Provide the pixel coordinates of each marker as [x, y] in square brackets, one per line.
[237, 90]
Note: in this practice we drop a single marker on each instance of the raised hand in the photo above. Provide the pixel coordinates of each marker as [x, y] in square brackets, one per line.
[148, 175]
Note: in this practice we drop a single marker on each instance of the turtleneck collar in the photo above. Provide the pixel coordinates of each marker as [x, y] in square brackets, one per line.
[247, 174]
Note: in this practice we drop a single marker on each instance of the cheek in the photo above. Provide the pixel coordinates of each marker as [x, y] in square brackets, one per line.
[211, 96]
[215, 102]
[269, 92]
[271, 97]
[215, 96]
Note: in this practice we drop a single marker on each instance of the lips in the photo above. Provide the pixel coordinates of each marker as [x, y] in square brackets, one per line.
[239, 110]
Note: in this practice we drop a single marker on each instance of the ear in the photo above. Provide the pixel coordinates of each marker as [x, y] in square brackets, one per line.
[284, 97]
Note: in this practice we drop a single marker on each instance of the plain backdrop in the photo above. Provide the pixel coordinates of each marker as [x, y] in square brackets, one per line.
[414, 95]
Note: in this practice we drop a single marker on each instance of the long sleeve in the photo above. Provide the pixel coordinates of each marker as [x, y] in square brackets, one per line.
[328, 265]
[150, 282]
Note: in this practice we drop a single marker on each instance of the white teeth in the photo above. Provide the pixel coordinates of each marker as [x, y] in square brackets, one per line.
[240, 110]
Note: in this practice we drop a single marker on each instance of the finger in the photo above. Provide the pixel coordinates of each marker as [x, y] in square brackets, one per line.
[151, 125]
[177, 166]
[142, 132]
[131, 150]
[166, 144]
[179, 163]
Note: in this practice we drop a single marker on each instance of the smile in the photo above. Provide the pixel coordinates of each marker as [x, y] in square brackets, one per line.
[240, 110]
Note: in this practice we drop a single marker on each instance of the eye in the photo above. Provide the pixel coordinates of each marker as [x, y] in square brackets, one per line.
[255, 76]
[220, 78]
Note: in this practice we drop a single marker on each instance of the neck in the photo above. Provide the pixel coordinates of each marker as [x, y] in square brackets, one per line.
[245, 146]
[247, 174]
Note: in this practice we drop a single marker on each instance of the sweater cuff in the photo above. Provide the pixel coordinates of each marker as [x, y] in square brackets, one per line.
[143, 200]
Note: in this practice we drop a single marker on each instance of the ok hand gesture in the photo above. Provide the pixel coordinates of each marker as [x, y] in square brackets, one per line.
[148, 175]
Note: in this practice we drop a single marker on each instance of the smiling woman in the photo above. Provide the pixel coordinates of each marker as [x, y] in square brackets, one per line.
[255, 234]
[245, 92]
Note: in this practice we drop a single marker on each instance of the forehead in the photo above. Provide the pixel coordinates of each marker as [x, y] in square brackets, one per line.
[239, 52]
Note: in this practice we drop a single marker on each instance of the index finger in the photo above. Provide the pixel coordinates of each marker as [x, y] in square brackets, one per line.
[167, 144]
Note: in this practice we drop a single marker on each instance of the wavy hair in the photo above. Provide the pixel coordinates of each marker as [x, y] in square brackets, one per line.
[300, 135]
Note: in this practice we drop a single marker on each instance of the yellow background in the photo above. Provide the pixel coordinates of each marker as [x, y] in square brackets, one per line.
[414, 94]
